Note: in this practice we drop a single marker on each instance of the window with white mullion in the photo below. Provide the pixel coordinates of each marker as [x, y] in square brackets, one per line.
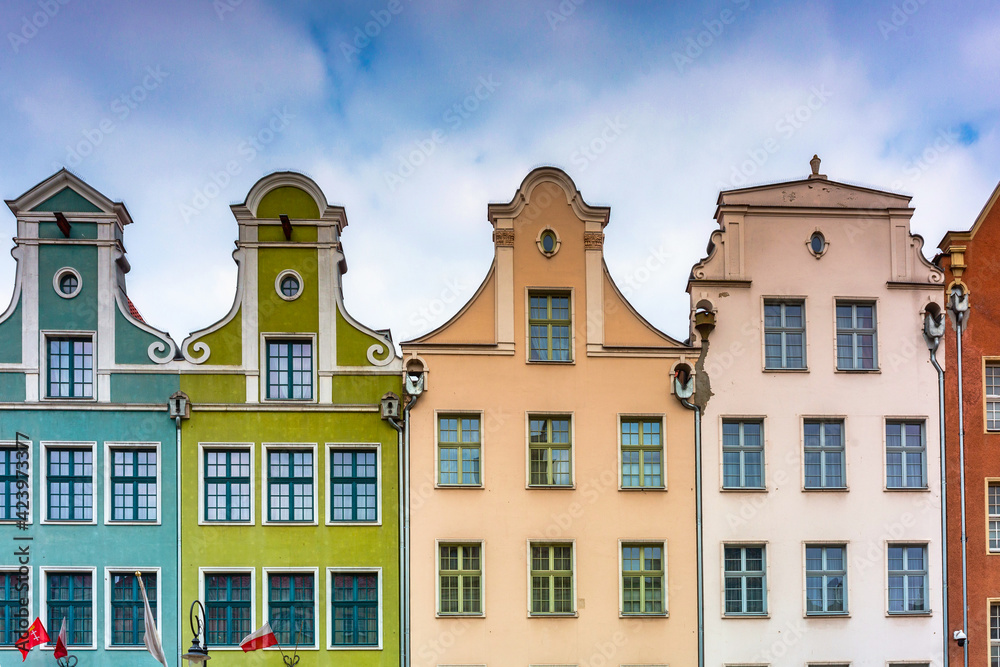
[994, 634]
[784, 335]
[993, 398]
[905, 459]
[993, 501]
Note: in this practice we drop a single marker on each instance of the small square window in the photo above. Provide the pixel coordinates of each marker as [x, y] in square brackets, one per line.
[856, 336]
[70, 367]
[289, 369]
[549, 322]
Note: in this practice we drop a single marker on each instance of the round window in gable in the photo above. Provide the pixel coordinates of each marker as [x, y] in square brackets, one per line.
[67, 282]
[288, 285]
[548, 242]
[817, 244]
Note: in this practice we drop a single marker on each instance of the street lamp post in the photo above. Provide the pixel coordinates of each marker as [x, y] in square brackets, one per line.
[197, 654]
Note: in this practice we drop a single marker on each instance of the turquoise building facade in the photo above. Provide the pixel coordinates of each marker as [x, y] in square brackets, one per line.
[86, 438]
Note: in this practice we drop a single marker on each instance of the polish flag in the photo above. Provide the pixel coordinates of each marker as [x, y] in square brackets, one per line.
[262, 638]
[61, 641]
[35, 636]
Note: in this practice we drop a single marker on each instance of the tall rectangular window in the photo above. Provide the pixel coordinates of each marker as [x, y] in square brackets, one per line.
[289, 369]
[290, 485]
[745, 582]
[549, 451]
[227, 605]
[993, 520]
[905, 455]
[742, 454]
[461, 572]
[354, 482]
[71, 367]
[70, 595]
[642, 579]
[355, 609]
[127, 610]
[550, 323]
[458, 450]
[227, 485]
[552, 579]
[856, 336]
[826, 579]
[10, 459]
[784, 334]
[70, 483]
[133, 485]
[642, 453]
[12, 588]
[994, 634]
[824, 454]
[907, 578]
[292, 598]
[993, 397]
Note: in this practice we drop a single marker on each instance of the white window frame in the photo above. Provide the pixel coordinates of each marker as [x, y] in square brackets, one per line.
[45, 446]
[252, 571]
[644, 542]
[328, 596]
[30, 477]
[990, 363]
[576, 577]
[481, 543]
[925, 459]
[805, 578]
[275, 335]
[202, 509]
[43, 606]
[992, 482]
[328, 485]
[551, 414]
[265, 490]
[641, 417]
[109, 447]
[43, 364]
[15, 569]
[266, 573]
[108, 621]
[438, 414]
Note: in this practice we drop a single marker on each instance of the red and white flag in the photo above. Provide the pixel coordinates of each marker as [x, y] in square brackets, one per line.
[262, 638]
[35, 636]
[61, 641]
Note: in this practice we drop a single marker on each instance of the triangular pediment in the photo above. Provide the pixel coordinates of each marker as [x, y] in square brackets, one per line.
[813, 193]
[68, 193]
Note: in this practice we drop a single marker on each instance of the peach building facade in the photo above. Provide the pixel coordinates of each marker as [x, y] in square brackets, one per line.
[821, 450]
[552, 494]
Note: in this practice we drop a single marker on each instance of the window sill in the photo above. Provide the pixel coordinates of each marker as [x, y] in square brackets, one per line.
[569, 362]
[205, 522]
[825, 489]
[895, 614]
[374, 524]
[125, 522]
[459, 486]
[561, 615]
[642, 488]
[351, 648]
[69, 522]
[742, 489]
[649, 616]
[558, 487]
[831, 614]
[911, 489]
[458, 616]
[746, 616]
[859, 371]
[289, 523]
[785, 370]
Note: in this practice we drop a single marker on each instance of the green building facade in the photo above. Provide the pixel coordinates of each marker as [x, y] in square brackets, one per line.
[290, 500]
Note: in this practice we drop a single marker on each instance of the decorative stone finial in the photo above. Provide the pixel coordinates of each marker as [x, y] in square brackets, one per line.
[814, 163]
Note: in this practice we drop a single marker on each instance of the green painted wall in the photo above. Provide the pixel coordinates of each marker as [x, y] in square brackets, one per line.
[131, 342]
[11, 387]
[55, 312]
[275, 234]
[352, 344]
[143, 387]
[276, 314]
[226, 344]
[288, 200]
[10, 336]
[67, 200]
[214, 388]
[77, 230]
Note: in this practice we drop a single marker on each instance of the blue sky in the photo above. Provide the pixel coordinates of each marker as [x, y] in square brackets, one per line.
[414, 115]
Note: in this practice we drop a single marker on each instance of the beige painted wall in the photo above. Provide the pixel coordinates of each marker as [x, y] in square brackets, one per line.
[761, 252]
[496, 381]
